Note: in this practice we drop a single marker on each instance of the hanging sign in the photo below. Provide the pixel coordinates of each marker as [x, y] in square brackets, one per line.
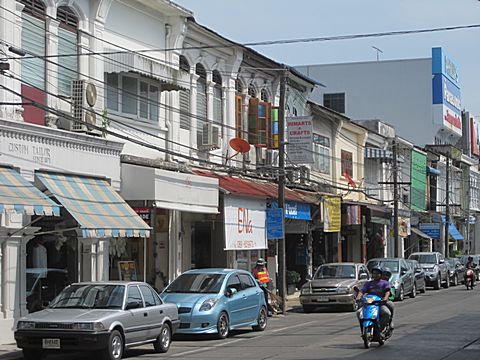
[300, 139]
[332, 215]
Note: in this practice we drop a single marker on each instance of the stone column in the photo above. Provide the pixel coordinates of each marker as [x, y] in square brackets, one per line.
[102, 261]
[51, 70]
[193, 109]
[229, 114]
[210, 85]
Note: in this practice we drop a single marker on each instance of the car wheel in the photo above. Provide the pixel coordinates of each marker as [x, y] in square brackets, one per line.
[455, 280]
[447, 282]
[438, 283]
[31, 354]
[414, 291]
[223, 326]
[261, 320]
[308, 309]
[114, 350]
[401, 294]
[162, 344]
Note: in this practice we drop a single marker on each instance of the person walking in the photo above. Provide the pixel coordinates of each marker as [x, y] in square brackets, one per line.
[260, 272]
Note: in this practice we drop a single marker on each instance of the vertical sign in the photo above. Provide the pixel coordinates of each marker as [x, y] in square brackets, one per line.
[418, 176]
[300, 140]
[332, 214]
[474, 136]
[245, 224]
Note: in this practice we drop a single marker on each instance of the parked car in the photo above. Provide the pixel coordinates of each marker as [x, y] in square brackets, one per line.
[333, 285]
[456, 271]
[435, 267]
[420, 283]
[215, 301]
[403, 278]
[476, 259]
[106, 317]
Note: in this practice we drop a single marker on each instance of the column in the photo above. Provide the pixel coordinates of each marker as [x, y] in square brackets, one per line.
[229, 114]
[51, 70]
[102, 262]
[96, 64]
[2, 271]
[193, 109]
[210, 85]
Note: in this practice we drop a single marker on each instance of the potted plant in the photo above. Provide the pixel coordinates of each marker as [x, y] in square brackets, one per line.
[292, 278]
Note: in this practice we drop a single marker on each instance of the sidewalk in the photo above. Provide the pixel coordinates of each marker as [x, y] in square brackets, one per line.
[11, 352]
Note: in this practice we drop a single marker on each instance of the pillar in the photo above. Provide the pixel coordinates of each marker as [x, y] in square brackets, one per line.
[51, 70]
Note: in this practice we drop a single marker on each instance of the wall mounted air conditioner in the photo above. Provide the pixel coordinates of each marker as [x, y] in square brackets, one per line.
[84, 98]
[210, 137]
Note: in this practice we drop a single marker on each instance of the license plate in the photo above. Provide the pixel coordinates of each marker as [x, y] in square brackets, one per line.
[51, 343]
[322, 299]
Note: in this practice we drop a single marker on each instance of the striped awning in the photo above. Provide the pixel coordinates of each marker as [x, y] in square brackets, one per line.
[20, 196]
[95, 205]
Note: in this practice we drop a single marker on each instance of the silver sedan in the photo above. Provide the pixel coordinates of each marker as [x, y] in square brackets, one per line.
[104, 317]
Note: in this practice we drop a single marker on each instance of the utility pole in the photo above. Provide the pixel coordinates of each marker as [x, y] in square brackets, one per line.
[281, 191]
[447, 203]
[395, 198]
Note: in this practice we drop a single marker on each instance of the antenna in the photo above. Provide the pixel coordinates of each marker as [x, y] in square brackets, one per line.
[378, 51]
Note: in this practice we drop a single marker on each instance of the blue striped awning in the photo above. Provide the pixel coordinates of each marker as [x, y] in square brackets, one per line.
[20, 196]
[95, 205]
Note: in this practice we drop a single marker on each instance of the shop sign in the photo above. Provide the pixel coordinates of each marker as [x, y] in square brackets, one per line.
[332, 214]
[274, 224]
[431, 229]
[295, 210]
[245, 224]
[144, 213]
[300, 139]
[475, 136]
[127, 271]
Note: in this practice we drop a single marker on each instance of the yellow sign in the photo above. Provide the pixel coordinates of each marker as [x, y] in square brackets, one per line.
[332, 214]
[127, 271]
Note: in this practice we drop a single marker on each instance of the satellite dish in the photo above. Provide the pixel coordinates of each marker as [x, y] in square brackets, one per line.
[240, 145]
[91, 94]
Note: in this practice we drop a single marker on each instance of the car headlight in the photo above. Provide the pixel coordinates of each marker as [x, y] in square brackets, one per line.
[90, 326]
[306, 291]
[208, 304]
[26, 325]
[396, 283]
[343, 290]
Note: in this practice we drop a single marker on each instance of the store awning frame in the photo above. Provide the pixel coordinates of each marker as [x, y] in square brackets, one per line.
[20, 196]
[99, 210]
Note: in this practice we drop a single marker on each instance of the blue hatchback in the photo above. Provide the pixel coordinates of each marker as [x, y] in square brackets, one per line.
[215, 301]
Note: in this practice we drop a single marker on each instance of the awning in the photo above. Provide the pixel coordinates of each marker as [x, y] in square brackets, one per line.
[95, 205]
[454, 233]
[433, 171]
[20, 196]
[420, 233]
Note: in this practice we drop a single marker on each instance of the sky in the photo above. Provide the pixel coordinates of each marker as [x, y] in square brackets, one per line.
[255, 20]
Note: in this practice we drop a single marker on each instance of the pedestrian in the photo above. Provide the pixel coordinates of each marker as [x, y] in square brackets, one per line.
[260, 272]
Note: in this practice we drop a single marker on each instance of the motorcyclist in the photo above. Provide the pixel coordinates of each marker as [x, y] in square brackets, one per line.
[260, 273]
[386, 275]
[471, 265]
[381, 288]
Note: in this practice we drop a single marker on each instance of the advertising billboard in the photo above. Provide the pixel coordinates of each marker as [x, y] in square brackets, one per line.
[474, 136]
[447, 105]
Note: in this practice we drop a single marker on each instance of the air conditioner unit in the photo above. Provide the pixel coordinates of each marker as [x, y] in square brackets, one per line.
[84, 97]
[210, 137]
[304, 174]
[272, 157]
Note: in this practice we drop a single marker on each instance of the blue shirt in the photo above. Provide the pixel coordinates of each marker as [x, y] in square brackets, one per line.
[376, 287]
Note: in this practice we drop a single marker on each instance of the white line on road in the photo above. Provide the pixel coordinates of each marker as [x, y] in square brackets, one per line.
[292, 326]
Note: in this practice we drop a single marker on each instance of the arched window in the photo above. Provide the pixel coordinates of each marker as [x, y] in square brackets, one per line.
[184, 97]
[217, 98]
[67, 44]
[33, 68]
[201, 101]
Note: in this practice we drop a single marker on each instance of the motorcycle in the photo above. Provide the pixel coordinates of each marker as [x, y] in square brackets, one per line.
[370, 322]
[469, 278]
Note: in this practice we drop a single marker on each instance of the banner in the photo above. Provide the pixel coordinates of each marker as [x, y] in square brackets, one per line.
[332, 214]
[245, 224]
[353, 215]
[300, 139]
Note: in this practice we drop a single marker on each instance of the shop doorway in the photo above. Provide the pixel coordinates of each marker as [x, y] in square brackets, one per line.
[202, 246]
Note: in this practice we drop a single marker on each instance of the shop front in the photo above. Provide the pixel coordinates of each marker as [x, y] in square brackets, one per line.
[45, 246]
[182, 209]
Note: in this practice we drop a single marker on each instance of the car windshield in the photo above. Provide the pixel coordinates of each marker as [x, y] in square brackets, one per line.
[90, 296]
[424, 258]
[391, 264]
[197, 283]
[335, 271]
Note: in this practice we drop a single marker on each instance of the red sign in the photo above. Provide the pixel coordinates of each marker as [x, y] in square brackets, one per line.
[474, 137]
[144, 213]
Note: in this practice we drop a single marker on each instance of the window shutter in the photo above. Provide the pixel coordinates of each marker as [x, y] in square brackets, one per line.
[274, 128]
[217, 105]
[184, 98]
[239, 116]
[33, 40]
[252, 121]
[201, 108]
[68, 65]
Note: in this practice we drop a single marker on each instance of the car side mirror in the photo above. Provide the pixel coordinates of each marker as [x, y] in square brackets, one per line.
[231, 291]
[133, 305]
[441, 261]
[363, 276]
[403, 272]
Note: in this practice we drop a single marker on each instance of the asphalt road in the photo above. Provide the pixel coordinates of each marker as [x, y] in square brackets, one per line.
[440, 324]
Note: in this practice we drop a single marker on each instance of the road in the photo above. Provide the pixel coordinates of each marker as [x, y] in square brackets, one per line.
[437, 325]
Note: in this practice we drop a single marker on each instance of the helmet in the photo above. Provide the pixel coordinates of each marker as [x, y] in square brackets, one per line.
[386, 271]
[470, 258]
[261, 262]
[377, 268]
